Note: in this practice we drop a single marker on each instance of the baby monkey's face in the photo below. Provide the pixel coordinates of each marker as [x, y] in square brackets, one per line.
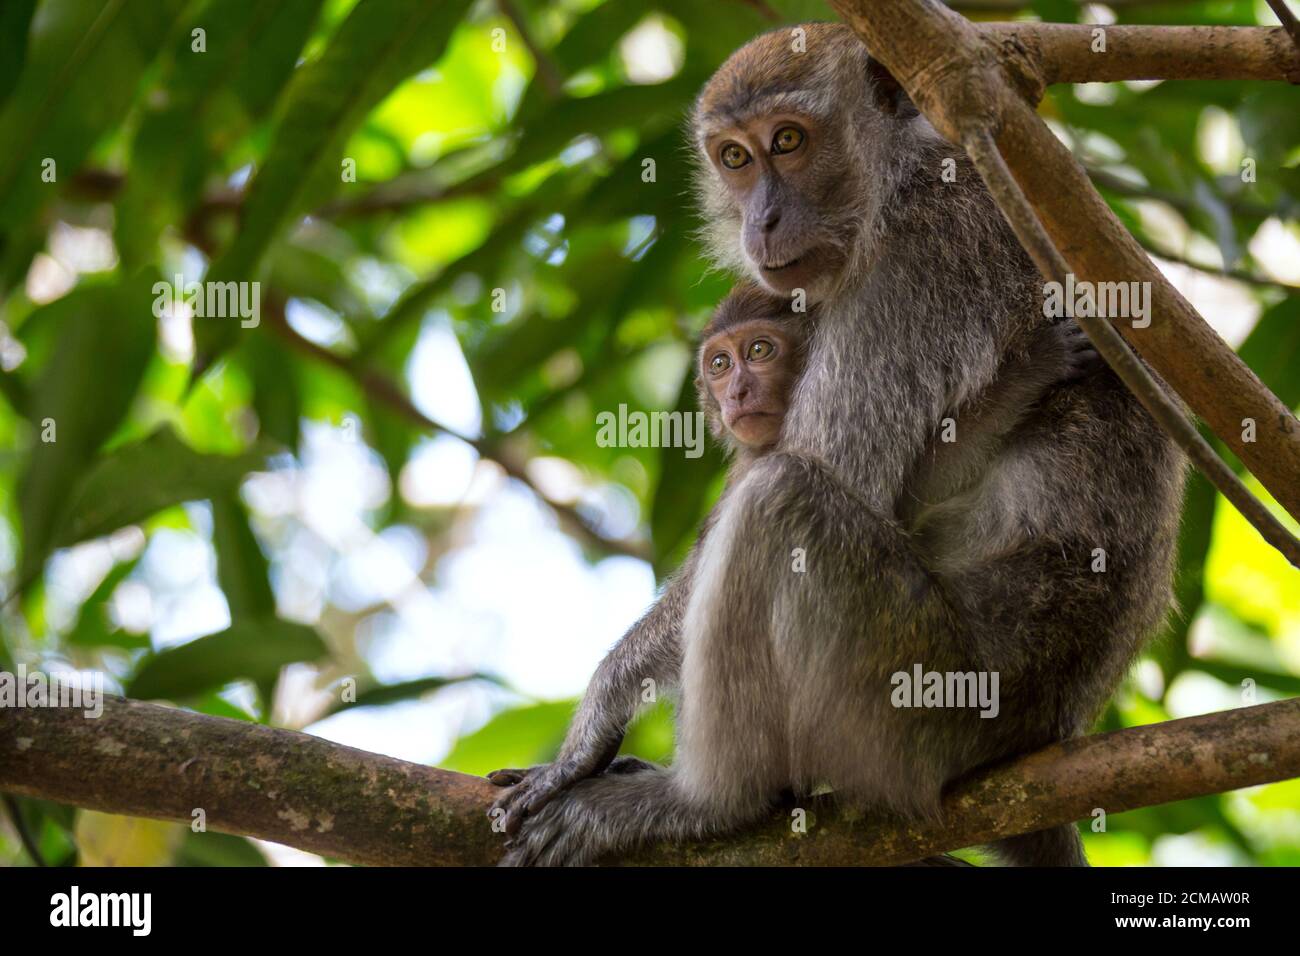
[750, 368]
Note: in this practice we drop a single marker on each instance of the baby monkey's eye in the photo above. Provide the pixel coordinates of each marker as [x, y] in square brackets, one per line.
[733, 156]
[787, 140]
[760, 350]
[719, 363]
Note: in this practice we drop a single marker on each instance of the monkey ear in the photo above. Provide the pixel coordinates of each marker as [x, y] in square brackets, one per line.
[889, 93]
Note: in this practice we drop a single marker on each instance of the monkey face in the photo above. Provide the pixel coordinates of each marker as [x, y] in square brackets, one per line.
[771, 167]
[786, 133]
[749, 370]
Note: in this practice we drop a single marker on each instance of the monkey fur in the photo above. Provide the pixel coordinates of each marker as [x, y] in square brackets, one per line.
[981, 559]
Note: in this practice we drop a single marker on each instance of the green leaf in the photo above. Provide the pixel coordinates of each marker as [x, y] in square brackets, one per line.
[133, 482]
[1195, 535]
[419, 298]
[105, 337]
[1272, 350]
[625, 193]
[15, 21]
[253, 649]
[515, 738]
[591, 39]
[374, 49]
[393, 437]
[242, 569]
[381, 694]
[651, 109]
[277, 395]
[213, 704]
[218, 849]
[650, 735]
[92, 627]
[84, 63]
[1270, 124]
[312, 268]
[206, 99]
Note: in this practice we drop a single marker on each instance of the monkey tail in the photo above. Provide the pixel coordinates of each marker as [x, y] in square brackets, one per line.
[1058, 846]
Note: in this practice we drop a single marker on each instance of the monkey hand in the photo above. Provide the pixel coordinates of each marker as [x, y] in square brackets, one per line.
[554, 834]
[531, 789]
[600, 815]
[1079, 358]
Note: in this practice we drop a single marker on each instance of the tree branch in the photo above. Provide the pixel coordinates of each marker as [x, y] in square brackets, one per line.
[146, 760]
[1237, 275]
[984, 154]
[1063, 52]
[381, 389]
[1015, 6]
[1186, 205]
[551, 78]
[1287, 19]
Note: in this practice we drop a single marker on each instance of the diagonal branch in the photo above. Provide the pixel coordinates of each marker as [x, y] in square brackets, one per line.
[988, 161]
[1287, 19]
[964, 85]
[145, 760]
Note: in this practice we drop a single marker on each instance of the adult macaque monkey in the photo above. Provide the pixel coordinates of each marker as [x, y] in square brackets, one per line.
[1047, 561]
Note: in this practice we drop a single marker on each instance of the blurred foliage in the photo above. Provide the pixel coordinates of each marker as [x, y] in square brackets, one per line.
[390, 170]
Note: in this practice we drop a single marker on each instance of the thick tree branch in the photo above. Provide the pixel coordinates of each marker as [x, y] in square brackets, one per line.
[1014, 6]
[966, 85]
[145, 760]
[1063, 52]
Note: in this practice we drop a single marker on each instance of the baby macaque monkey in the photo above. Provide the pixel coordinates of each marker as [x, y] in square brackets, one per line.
[750, 357]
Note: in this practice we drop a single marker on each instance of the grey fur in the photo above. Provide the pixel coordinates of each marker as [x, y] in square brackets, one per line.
[975, 558]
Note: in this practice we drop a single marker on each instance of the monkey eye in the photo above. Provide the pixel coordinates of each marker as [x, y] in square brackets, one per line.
[733, 156]
[787, 140]
[719, 363]
[760, 350]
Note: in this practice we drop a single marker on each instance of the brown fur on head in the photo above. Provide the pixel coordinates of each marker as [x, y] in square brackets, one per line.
[750, 357]
[796, 139]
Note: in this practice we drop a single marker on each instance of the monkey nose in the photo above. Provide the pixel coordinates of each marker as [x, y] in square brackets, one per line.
[771, 218]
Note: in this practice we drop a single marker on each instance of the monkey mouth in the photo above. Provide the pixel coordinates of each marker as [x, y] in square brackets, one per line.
[777, 267]
[750, 415]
